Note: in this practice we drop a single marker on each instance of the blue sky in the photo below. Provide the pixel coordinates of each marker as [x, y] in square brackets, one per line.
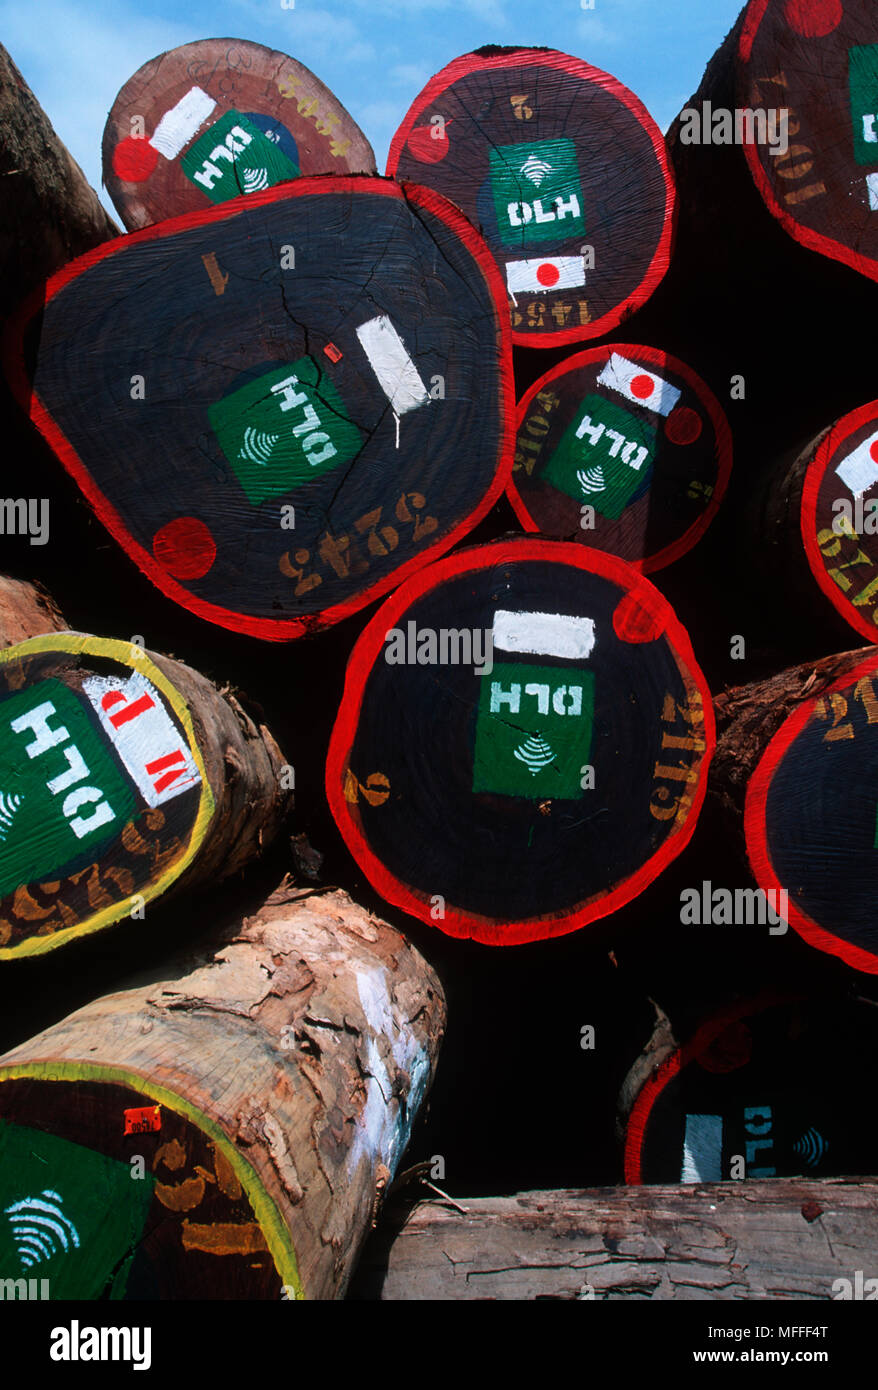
[375, 55]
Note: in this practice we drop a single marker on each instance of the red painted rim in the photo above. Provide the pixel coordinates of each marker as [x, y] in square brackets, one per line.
[722, 432]
[805, 236]
[364, 655]
[701, 1040]
[814, 476]
[756, 831]
[270, 629]
[469, 63]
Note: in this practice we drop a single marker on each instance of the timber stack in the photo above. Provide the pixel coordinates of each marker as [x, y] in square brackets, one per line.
[478, 481]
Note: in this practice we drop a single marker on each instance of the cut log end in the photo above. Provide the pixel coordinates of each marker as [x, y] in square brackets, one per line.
[523, 741]
[517, 139]
[218, 118]
[225, 1132]
[622, 448]
[122, 775]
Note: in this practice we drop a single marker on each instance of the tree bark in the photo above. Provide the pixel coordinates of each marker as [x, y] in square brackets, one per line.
[271, 1087]
[765, 1240]
[48, 212]
[26, 610]
[124, 775]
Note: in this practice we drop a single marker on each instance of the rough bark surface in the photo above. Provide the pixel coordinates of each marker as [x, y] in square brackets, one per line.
[310, 1038]
[765, 1240]
[48, 211]
[26, 610]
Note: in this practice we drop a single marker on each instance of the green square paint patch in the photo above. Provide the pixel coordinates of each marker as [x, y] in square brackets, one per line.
[863, 78]
[287, 426]
[62, 793]
[533, 731]
[537, 191]
[233, 157]
[67, 1214]
[603, 458]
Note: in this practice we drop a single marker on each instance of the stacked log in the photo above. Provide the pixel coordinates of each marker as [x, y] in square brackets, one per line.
[227, 1130]
[523, 741]
[48, 212]
[124, 775]
[270, 465]
[768, 1240]
[762, 1089]
[518, 138]
[622, 448]
[218, 118]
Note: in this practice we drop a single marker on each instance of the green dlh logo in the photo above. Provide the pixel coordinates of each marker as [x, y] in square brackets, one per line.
[537, 191]
[287, 426]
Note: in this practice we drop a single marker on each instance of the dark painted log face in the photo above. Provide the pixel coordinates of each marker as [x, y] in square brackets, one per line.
[839, 518]
[819, 60]
[218, 118]
[622, 448]
[109, 1194]
[769, 1082]
[104, 799]
[811, 818]
[530, 799]
[564, 172]
[282, 406]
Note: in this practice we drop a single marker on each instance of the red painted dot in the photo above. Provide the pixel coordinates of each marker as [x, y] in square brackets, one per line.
[874, 451]
[640, 617]
[731, 1050]
[548, 274]
[185, 548]
[134, 159]
[683, 426]
[642, 387]
[813, 19]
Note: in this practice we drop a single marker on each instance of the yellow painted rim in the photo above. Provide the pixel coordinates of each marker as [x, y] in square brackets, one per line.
[270, 1222]
[122, 652]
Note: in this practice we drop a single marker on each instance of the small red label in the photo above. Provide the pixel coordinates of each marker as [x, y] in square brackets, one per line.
[333, 353]
[143, 1121]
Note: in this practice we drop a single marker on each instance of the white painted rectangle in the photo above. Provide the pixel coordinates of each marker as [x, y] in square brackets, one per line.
[859, 471]
[620, 373]
[703, 1149]
[872, 190]
[177, 126]
[544, 634]
[144, 739]
[522, 276]
[396, 372]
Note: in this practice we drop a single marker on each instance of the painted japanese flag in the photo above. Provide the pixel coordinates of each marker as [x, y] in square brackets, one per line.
[859, 471]
[545, 273]
[639, 385]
